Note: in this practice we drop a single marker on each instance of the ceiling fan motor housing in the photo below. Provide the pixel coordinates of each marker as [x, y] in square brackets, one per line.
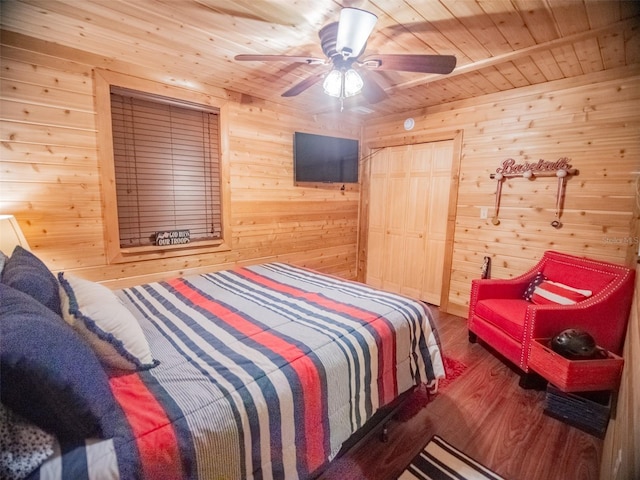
[328, 38]
[328, 35]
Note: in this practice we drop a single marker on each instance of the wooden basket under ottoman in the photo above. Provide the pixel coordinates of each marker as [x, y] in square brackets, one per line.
[575, 375]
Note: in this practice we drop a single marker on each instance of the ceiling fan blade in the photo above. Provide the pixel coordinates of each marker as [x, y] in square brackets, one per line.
[371, 90]
[300, 87]
[281, 58]
[411, 63]
[354, 28]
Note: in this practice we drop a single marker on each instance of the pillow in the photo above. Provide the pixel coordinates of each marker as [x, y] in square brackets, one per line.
[537, 280]
[549, 292]
[27, 273]
[23, 446]
[50, 376]
[105, 323]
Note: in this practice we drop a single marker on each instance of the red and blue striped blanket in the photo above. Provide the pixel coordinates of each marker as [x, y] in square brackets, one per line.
[264, 372]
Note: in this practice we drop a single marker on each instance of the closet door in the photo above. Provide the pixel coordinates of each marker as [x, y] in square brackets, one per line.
[409, 198]
[377, 218]
[437, 207]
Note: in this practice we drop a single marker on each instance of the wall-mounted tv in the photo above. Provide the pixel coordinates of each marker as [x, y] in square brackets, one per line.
[320, 158]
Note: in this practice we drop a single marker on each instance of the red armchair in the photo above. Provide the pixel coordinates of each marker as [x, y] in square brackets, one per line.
[501, 316]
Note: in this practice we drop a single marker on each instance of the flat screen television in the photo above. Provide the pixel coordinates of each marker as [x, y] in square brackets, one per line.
[320, 158]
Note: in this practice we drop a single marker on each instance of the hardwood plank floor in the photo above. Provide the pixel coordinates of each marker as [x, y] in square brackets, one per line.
[488, 416]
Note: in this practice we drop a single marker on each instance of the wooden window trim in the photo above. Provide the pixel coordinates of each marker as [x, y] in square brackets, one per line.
[114, 253]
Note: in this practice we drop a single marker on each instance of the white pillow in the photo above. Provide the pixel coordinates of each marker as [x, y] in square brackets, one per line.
[101, 318]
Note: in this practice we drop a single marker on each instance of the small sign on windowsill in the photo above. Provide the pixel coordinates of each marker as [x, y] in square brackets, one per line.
[173, 237]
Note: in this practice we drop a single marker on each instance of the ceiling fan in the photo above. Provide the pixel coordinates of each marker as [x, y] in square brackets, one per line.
[344, 43]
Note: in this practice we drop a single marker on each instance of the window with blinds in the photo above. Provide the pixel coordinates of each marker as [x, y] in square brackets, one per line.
[167, 167]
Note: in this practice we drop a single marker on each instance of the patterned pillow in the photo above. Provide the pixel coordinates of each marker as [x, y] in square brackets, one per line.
[538, 279]
[105, 323]
[549, 292]
[27, 273]
[23, 446]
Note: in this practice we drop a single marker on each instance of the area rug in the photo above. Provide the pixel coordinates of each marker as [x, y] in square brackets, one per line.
[422, 396]
[453, 369]
[439, 460]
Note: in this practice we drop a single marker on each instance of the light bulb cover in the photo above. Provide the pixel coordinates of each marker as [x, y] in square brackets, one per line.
[352, 83]
[333, 83]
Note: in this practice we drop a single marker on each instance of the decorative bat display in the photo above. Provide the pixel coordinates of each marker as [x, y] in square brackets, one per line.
[510, 169]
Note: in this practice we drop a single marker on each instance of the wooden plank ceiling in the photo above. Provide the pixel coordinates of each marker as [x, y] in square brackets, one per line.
[499, 44]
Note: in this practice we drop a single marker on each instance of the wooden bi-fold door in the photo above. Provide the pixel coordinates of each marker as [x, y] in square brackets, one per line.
[408, 207]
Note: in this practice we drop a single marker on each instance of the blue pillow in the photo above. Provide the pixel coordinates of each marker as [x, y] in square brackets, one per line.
[50, 376]
[27, 273]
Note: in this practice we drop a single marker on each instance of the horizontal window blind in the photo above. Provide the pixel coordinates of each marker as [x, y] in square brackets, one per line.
[167, 167]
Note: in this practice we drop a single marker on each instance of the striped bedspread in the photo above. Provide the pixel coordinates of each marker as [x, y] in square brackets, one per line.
[264, 372]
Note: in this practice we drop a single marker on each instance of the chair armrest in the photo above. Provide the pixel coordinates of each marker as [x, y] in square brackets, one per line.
[498, 288]
[604, 316]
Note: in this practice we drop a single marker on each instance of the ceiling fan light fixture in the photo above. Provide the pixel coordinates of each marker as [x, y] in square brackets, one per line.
[343, 84]
[354, 28]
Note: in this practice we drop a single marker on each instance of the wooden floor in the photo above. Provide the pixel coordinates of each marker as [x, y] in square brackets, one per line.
[488, 416]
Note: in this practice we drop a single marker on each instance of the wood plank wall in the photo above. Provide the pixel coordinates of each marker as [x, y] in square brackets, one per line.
[620, 458]
[593, 120]
[51, 179]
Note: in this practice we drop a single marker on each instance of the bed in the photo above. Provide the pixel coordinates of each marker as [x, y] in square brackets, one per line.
[258, 372]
